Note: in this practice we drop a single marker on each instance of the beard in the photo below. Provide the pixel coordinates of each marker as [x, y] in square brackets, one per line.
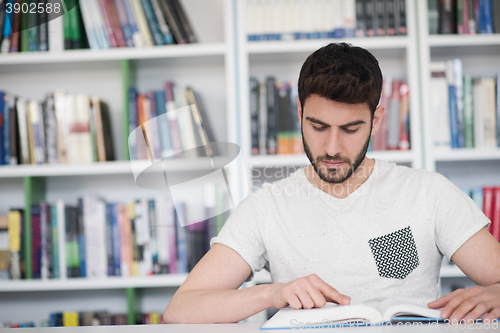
[334, 175]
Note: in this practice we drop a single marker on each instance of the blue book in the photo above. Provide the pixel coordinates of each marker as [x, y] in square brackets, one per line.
[131, 21]
[6, 131]
[182, 255]
[132, 123]
[477, 196]
[7, 25]
[2, 102]
[55, 242]
[109, 240]
[453, 116]
[485, 18]
[124, 22]
[81, 240]
[167, 148]
[116, 240]
[152, 22]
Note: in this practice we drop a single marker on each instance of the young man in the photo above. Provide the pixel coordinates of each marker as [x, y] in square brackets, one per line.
[346, 228]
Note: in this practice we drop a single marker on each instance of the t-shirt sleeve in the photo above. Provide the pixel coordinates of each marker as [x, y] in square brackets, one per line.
[456, 216]
[241, 232]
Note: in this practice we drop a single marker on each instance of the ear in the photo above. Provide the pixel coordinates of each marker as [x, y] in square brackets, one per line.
[299, 111]
[377, 118]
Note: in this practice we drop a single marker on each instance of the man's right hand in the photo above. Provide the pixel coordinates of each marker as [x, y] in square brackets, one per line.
[306, 293]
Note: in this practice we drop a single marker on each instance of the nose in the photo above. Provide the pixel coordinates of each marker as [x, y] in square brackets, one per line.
[333, 144]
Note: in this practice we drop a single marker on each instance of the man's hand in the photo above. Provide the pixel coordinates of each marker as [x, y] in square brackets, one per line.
[306, 292]
[470, 304]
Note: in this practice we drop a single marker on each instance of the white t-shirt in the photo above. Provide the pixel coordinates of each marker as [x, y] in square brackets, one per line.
[385, 240]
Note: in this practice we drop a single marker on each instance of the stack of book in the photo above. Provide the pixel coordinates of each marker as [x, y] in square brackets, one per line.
[98, 24]
[275, 125]
[311, 19]
[96, 239]
[394, 131]
[64, 128]
[174, 121]
[464, 16]
[488, 199]
[465, 109]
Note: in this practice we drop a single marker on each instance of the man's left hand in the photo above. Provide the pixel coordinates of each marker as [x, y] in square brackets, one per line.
[470, 304]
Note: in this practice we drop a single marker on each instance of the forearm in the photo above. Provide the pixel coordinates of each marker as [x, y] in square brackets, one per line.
[217, 306]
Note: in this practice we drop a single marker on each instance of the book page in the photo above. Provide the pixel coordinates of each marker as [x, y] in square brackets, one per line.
[324, 316]
[391, 308]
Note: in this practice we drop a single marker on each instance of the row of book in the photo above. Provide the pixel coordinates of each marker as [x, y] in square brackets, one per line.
[464, 16]
[98, 24]
[311, 19]
[90, 318]
[63, 128]
[96, 239]
[174, 121]
[394, 131]
[465, 109]
[274, 122]
[488, 199]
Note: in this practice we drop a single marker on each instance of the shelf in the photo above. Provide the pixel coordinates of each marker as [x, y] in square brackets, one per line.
[464, 40]
[262, 161]
[166, 51]
[98, 168]
[155, 281]
[310, 45]
[467, 154]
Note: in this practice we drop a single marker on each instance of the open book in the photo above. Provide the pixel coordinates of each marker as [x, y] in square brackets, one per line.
[334, 315]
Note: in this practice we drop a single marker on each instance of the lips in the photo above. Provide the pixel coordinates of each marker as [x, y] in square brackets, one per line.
[333, 164]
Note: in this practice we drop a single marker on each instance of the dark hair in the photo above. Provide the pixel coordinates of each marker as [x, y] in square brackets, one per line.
[342, 73]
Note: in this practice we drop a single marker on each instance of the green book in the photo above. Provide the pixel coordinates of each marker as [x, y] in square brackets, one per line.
[468, 112]
[24, 29]
[75, 34]
[67, 30]
[33, 30]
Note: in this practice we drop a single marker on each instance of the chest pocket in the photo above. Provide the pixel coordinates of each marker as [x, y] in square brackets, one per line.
[395, 254]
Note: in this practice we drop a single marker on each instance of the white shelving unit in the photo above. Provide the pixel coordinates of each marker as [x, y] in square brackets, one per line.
[208, 67]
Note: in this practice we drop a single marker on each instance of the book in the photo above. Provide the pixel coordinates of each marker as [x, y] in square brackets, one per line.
[334, 315]
[495, 216]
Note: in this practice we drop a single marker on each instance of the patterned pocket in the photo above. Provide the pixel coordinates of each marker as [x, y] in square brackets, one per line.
[395, 254]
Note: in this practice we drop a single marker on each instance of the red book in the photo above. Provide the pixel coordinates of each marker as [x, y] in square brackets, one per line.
[488, 205]
[495, 220]
[107, 22]
[115, 23]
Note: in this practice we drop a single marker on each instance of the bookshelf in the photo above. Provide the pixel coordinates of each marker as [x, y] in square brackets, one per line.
[207, 66]
[219, 67]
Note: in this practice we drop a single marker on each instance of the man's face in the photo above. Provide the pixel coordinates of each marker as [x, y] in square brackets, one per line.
[335, 136]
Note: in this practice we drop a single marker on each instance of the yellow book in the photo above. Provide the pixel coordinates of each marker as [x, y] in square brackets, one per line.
[70, 318]
[14, 227]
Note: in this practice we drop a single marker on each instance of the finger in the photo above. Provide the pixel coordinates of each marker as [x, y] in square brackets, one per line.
[305, 300]
[331, 294]
[316, 296]
[480, 309]
[492, 315]
[292, 300]
[443, 300]
[457, 301]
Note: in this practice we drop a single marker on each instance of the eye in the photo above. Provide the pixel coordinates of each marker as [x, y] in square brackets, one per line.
[349, 130]
[319, 129]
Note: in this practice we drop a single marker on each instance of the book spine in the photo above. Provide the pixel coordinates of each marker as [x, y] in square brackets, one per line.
[272, 115]
[393, 117]
[171, 226]
[90, 25]
[489, 111]
[50, 126]
[495, 221]
[168, 38]
[61, 239]
[55, 242]
[172, 118]
[477, 94]
[124, 22]
[254, 115]
[173, 21]
[136, 36]
[44, 236]
[459, 95]
[498, 106]
[100, 26]
[183, 18]
[81, 239]
[447, 17]
[488, 205]
[36, 242]
[109, 240]
[404, 118]
[167, 148]
[115, 23]
[116, 241]
[468, 113]
[369, 13]
[107, 23]
[3, 124]
[486, 21]
[360, 18]
[142, 24]
[182, 259]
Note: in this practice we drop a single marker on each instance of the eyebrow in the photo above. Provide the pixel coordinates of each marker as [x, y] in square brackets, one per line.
[319, 122]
